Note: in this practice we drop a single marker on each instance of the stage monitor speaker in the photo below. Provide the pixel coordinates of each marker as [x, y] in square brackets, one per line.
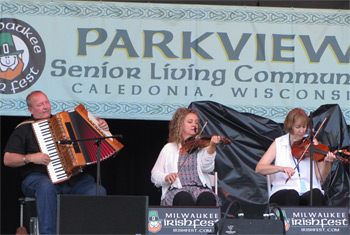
[249, 226]
[102, 214]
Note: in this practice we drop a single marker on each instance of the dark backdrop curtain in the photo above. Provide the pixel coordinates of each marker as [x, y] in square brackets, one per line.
[251, 136]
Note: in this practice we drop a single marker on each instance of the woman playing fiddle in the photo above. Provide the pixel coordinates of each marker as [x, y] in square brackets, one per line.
[291, 180]
[183, 175]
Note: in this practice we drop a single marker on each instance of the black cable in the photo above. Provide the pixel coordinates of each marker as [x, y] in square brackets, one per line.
[274, 207]
[240, 212]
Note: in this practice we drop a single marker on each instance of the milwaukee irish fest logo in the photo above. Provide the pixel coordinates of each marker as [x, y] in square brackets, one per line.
[312, 220]
[22, 56]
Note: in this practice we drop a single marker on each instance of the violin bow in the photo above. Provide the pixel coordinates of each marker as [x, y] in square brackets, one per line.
[321, 126]
[205, 124]
[308, 146]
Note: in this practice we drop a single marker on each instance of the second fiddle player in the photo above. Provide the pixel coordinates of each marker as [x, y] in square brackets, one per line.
[184, 175]
[279, 163]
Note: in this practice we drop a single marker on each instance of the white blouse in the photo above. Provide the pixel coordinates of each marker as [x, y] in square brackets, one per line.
[300, 181]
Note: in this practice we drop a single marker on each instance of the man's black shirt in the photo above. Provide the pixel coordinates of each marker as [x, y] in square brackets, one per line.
[23, 141]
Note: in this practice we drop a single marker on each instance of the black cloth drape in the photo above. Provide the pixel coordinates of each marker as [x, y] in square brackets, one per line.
[251, 135]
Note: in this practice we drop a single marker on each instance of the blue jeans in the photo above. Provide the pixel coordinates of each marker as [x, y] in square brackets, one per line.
[45, 192]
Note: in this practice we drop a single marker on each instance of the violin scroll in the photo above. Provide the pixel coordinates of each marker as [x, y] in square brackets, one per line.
[342, 152]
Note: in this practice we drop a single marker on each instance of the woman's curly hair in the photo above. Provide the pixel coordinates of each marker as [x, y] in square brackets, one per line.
[176, 124]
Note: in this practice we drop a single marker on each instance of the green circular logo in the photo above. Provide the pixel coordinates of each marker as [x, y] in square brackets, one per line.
[22, 56]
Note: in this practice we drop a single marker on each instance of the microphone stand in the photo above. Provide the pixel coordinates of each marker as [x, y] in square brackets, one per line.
[98, 157]
[98, 171]
[311, 157]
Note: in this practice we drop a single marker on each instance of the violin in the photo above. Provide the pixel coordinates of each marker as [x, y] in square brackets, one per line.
[302, 147]
[320, 151]
[192, 143]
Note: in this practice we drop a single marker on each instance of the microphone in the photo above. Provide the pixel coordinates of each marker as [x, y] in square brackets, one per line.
[195, 129]
[119, 136]
[65, 142]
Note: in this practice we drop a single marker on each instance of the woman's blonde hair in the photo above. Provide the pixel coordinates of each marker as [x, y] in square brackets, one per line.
[176, 124]
[292, 116]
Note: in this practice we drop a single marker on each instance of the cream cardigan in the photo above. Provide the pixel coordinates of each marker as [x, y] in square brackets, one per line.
[167, 163]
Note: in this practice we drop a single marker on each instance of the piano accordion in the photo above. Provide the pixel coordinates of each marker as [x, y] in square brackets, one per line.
[70, 159]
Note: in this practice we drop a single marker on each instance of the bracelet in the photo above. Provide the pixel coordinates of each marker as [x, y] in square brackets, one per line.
[24, 160]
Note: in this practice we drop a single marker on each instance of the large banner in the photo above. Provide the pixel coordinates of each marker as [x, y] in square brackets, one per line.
[143, 61]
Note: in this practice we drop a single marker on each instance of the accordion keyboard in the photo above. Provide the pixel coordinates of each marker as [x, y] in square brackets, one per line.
[47, 145]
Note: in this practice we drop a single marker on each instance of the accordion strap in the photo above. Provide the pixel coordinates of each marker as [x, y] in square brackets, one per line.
[25, 122]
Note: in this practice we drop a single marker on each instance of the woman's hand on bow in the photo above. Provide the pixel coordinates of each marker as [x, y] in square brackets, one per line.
[171, 178]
